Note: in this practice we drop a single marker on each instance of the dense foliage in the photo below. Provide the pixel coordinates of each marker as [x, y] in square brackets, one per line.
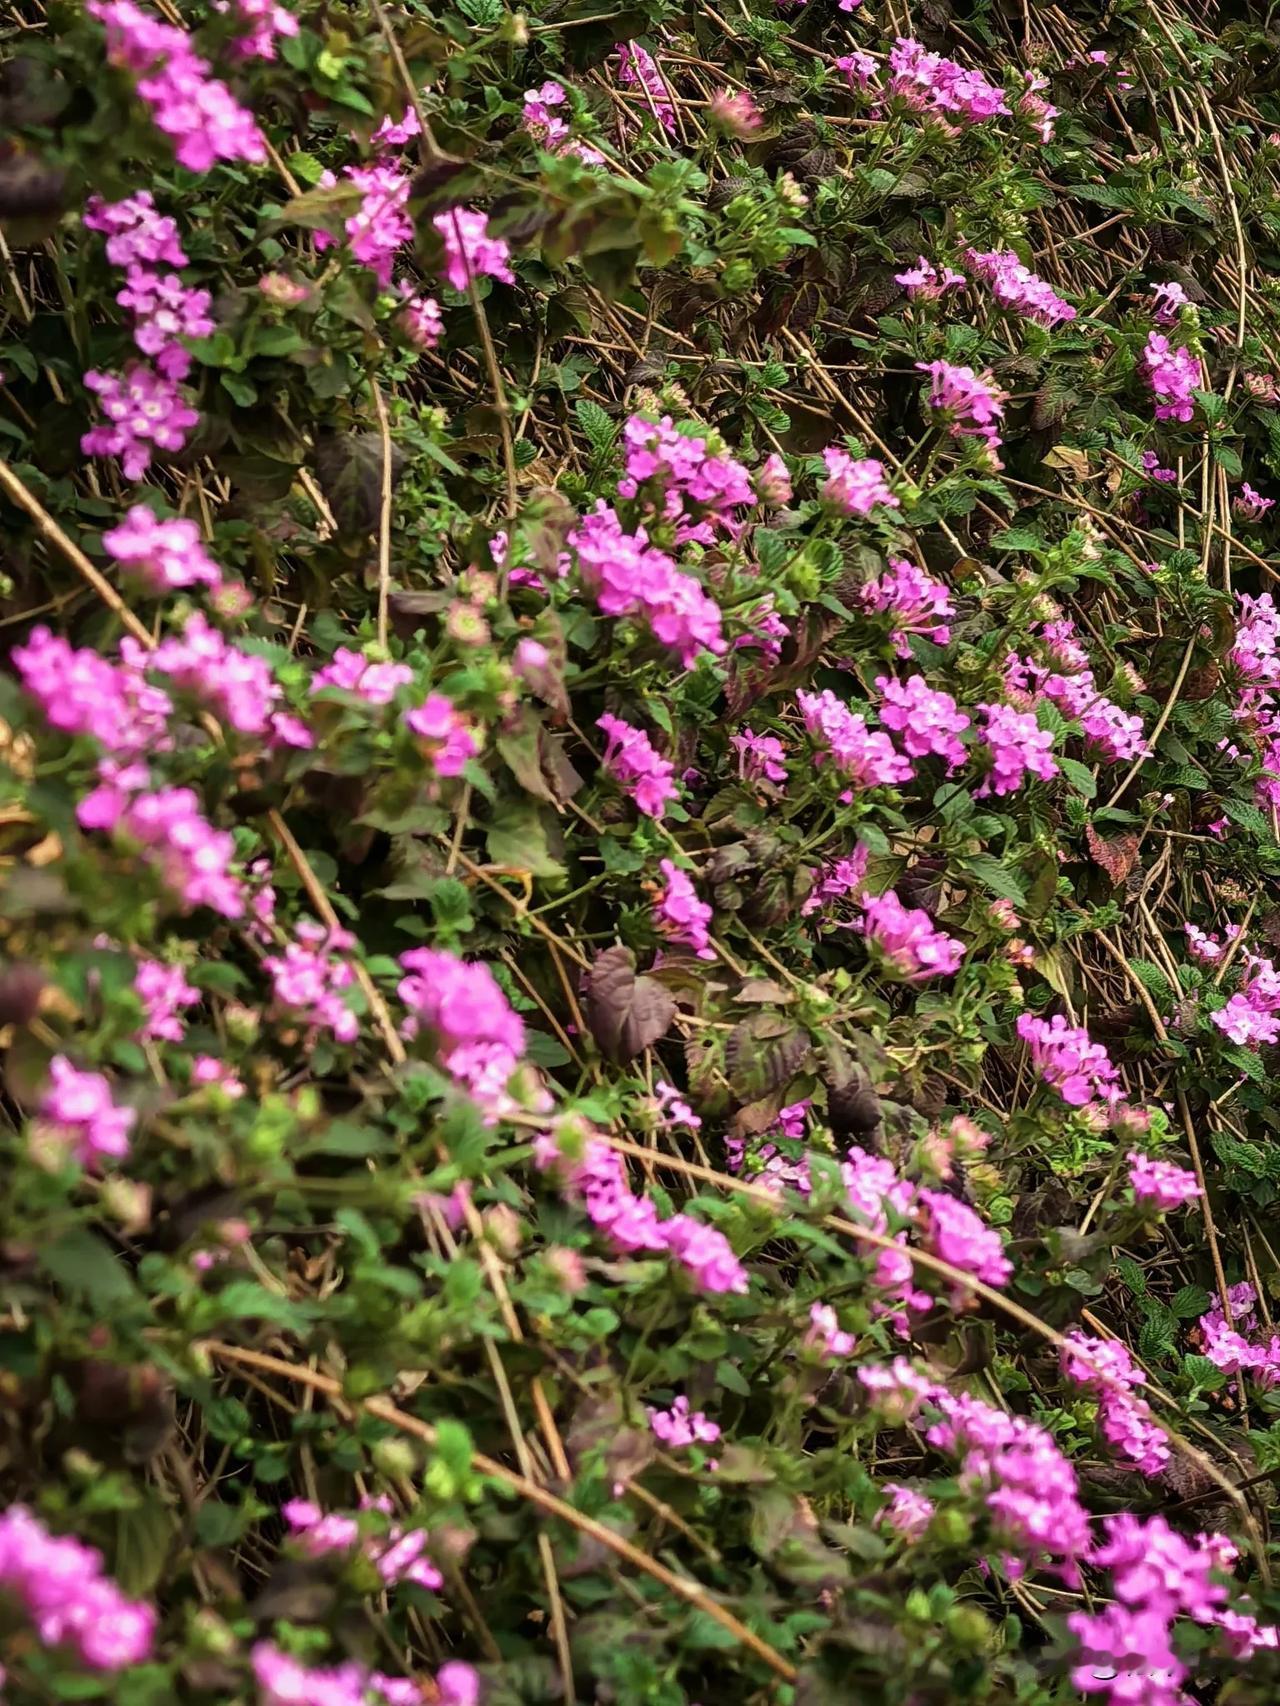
[641, 781]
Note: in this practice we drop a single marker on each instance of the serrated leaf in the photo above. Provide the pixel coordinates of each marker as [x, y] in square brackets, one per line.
[600, 429]
[996, 876]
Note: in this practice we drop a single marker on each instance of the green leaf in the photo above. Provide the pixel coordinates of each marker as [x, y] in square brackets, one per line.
[84, 1265]
[996, 876]
[600, 429]
[1190, 1301]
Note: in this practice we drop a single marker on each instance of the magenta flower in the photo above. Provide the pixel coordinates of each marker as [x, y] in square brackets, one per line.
[635, 764]
[680, 916]
[1173, 375]
[61, 1586]
[971, 402]
[914, 600]
[1018, 748]
[309, 980]
[77, 1113]
[926, 721]
[907, 939]
[867, 758]
[855, 487]
[163, 991]
[353, 672]
[144, 413]
[927, 82]
[638, 68]
[825, 1334]
[1016, 287]
[630, 577]
[469, 251]
[925, 281]
[1067, 1060]
[165, 555]
[1250, 505]
[445, 738]
[678, 1427]
[908, 1512]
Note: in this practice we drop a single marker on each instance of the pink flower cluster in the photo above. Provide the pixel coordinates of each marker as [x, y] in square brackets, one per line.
[767, 1165]
[400, 1555]
[196, 112]
[445, 738]
[1159, 1184]
[1157, 1575]
[630, 577]
[285, 1681]
[1028, 1487]
[461, 1003]
[908, 1512]
[549, 130]
[163, 991]
[678, 1427]
[637, 66]
[1252, 1016]
[1067, 682]
[1226, 1342]
[1250, 505]
[685, 471]
[868, 759]
[635, 764]
[929, 83]
[144, 413]
[680, 916]
[1018, 748]
[1169, 299]
[1079, 1070]
[760, 757]
[926, 281]
[855, 486]
[1208, 950]
[1173, 375]
[310, 979]
[972, 403]
[195, 862]
[835, 880]
[165, 556]
[598, 1180]
[926, 720]
[380, 227]
[825, 1335]
[237, 686]
[143, 407]
[469, 251]
[263, 22]
[353, 672]
[78, 1114]
[1105, 1368]
[916, 602]
[906, 939]
[60, 1584]
[82, 693]
[950, 1229]
[1015, 286]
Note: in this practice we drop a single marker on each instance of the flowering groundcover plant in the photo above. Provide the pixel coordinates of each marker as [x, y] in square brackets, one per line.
[638, 925]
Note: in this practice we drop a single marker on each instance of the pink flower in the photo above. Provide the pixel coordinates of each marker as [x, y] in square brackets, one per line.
[971, 402]
[165, 555]
[144, 413]
[1079, 1070]
[1160, 1183]
[636, 66]
[1018, 748]
[1173, 375]
[680, 916]
[928, 83]
[953, 1231]
[380, 226]
[458, 1684]
[469, 251]
[353, 672]
[197, 113]
[868, 759]
[445, 738]
[421, 322]
[858, 67]
[1170, 299]
[1015, 286]
[687, 471]
[163, 991]
[1152, 469]
[635, 764]
[461, 1003]
[924, 279]
[1251, 505]
[773, 482]
[137, 233]
[759, 756]
[630, 577]
[82, 693]
[1104, 1367]
[914, 600]
[909, 1511]
[310, 978]
[855, 487]
[825, 1334]
[77, 1112]
[734, 111]
[195, 861]
[201, 661]
[927, 721]
[907, 939]
[60, 1585]
[678, 1428]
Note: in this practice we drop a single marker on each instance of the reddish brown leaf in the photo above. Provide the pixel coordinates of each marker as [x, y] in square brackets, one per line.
[1117, 855]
